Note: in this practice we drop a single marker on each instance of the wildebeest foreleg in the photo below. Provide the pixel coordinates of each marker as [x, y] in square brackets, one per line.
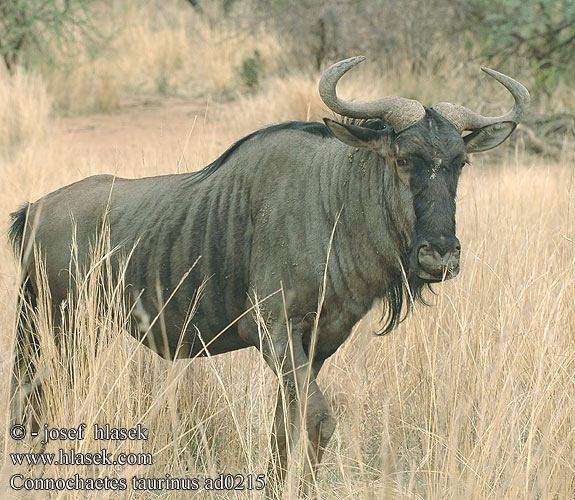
[285, 415]
[300, 407]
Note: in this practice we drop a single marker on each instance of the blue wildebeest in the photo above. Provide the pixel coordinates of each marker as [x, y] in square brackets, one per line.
[376, 194]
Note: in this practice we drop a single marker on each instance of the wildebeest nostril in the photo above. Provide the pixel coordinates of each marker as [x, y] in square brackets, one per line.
[438, 257]
[444, 245]
[429, 256]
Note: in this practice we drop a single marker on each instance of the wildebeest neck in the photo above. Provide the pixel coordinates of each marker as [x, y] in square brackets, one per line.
[374, 233]
[305, 187]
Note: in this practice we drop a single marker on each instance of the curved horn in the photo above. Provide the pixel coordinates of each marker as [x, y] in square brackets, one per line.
[398, 112]
[465, 119]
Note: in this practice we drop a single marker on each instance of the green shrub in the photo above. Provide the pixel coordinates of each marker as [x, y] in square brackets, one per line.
[252, 69]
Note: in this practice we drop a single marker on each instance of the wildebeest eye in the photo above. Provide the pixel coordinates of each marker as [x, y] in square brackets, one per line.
[464, 162]
[401, 162]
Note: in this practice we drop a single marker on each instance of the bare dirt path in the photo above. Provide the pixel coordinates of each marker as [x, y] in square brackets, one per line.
[146, 127]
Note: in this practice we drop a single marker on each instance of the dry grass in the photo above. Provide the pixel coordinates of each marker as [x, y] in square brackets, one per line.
[167, 49]
[473, 398]
[24, 109]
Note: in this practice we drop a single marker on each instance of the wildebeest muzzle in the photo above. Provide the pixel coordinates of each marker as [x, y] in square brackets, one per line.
[436, 258]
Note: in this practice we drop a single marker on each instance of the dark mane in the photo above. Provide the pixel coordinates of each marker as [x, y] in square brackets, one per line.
[314, 128]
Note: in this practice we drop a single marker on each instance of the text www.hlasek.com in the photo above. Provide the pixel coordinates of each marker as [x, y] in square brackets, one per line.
[72, 457]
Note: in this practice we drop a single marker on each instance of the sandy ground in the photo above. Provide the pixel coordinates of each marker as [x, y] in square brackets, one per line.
[148, 126]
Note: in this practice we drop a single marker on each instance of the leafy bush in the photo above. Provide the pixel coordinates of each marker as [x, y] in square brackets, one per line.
[43, 24]
[540, 32]
[251, 69]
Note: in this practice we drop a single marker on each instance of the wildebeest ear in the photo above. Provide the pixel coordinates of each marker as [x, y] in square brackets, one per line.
[352, 135]
[488, 137]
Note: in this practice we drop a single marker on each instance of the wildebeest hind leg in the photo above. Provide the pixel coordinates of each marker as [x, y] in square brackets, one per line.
[26, 380]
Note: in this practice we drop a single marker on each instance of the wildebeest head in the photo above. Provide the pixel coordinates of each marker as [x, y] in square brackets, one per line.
[427, 151]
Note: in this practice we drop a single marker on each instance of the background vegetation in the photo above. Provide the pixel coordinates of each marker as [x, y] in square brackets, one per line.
[169, 47]
[473, 398]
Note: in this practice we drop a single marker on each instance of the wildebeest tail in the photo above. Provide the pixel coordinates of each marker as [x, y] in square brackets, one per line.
[27, 296]
[16, 232]
[27, 344]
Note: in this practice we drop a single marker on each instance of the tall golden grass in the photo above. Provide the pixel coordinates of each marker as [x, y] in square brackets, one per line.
[169, 48]
[471, 398]
[25, 106]
[166, 49]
